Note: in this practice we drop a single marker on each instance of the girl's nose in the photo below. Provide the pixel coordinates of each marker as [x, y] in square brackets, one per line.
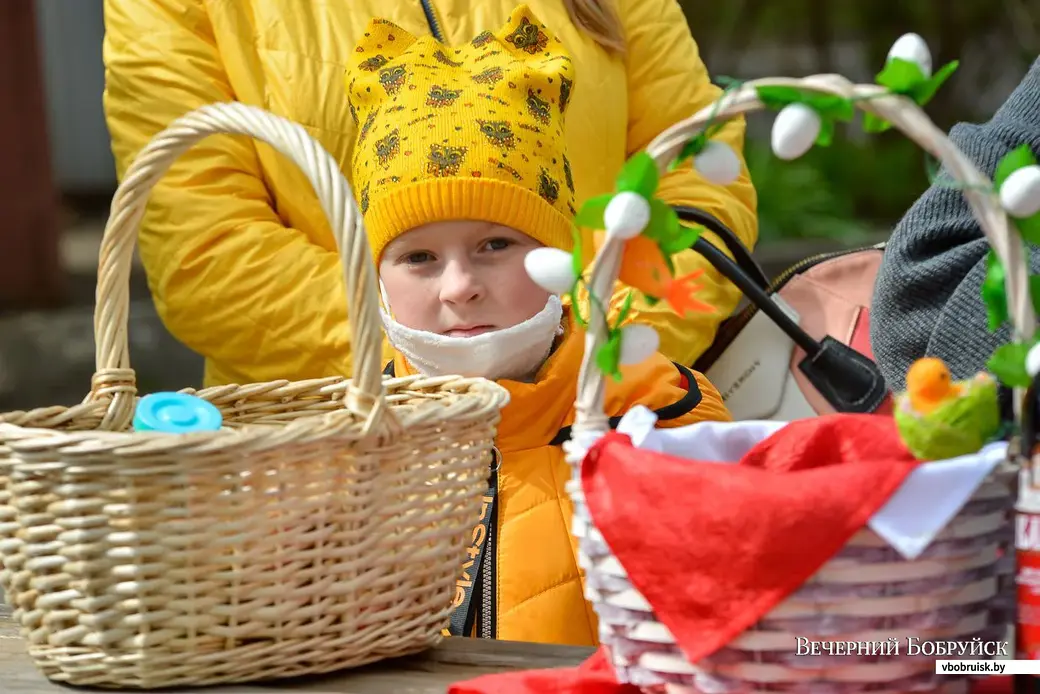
[460, 284]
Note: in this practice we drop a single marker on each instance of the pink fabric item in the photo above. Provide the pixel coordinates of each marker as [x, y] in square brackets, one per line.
[833, 298]
[860, 339]
[860, 342]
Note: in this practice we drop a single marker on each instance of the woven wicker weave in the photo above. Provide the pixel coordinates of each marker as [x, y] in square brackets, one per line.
[959, 589]
[322, 528]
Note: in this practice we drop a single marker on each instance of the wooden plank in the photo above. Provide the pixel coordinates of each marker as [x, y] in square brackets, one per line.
[429, 673]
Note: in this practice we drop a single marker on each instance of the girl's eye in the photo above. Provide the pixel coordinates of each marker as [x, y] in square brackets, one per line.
[498, 244]
[418, 258]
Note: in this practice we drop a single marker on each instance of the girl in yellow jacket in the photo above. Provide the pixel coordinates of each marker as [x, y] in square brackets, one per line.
[240, 260]
[460, 169]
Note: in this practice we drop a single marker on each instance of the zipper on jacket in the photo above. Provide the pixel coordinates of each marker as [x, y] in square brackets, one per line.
[486, 619]
[431, 19]
[729, 330]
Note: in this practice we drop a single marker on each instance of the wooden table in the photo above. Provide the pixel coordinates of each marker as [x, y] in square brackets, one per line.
[429, 673]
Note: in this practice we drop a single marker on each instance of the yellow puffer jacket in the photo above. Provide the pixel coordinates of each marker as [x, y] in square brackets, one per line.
[240, 259]
[535, 583]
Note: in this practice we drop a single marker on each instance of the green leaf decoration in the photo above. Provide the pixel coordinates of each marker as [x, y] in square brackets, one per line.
[713, 129]
[626, 308]
[900, 76]
[905, 77]
[831, 106]
[875, 124]
[608, 356]
[683, 241]
[828, 106]
[1029, 228]
[826, 135]
[1018, 158]
[923, 93]
[590, 216]
[933, 169]
[578, 267]
[639, 175]
[664, 223]
[576, 311]
[692, 148]
[670, 263]
[727, 82]
[994, 294]
[577, 260]
[776, 97]
[1008, 364]
[938, 176]
[696, 145]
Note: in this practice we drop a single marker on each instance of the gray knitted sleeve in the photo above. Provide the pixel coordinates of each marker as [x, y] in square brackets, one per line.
[927, 300]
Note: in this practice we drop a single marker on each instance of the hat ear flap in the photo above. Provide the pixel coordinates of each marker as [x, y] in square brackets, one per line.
[381, 43]
[526, 35]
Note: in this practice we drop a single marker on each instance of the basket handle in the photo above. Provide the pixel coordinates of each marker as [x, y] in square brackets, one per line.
[904, 115]
[114, 380]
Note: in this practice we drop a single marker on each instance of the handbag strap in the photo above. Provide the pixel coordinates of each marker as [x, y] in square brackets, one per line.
[733, 244]
[849, 381]
[745, 274]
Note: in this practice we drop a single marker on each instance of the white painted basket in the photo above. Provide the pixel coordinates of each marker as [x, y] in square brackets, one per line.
[960, 588]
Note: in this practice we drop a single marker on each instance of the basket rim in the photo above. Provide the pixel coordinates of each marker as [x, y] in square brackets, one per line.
[114, 381]
[452, 399]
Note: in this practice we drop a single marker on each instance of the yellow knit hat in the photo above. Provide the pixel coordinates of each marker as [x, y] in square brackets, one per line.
[474, 132]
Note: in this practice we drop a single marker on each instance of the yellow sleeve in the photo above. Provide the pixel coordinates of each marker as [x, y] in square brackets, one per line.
[669, 82]
[229, 279]
[709, 409]
[679, 395]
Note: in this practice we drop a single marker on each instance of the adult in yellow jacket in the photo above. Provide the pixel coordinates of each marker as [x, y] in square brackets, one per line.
[240, 260]
[454, 198]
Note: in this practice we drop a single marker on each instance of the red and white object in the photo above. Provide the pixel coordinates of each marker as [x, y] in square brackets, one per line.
[1027, 550]
[709, 550]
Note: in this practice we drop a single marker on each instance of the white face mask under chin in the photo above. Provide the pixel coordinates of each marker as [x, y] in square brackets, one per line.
[512, 353]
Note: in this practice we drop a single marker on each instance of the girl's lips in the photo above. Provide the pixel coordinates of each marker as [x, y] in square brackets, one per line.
[470, 331]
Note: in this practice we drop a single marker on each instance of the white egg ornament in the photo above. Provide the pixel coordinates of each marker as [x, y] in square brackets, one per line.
[551, 269]
[794, 131]
[626, 216]
[718, 163]
[1020, 192]
[1033, 361]
[638, 343]
[912, 48]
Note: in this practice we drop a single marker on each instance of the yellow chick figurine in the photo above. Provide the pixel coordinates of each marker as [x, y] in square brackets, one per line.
[939, 418]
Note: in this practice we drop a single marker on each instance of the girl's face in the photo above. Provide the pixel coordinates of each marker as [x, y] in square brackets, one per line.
[460, 278]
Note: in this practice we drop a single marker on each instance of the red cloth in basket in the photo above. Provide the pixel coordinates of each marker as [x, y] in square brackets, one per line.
[740, 538]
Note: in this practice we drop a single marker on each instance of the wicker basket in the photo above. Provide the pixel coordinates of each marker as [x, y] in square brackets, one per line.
[960, 588]
[322, 528]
